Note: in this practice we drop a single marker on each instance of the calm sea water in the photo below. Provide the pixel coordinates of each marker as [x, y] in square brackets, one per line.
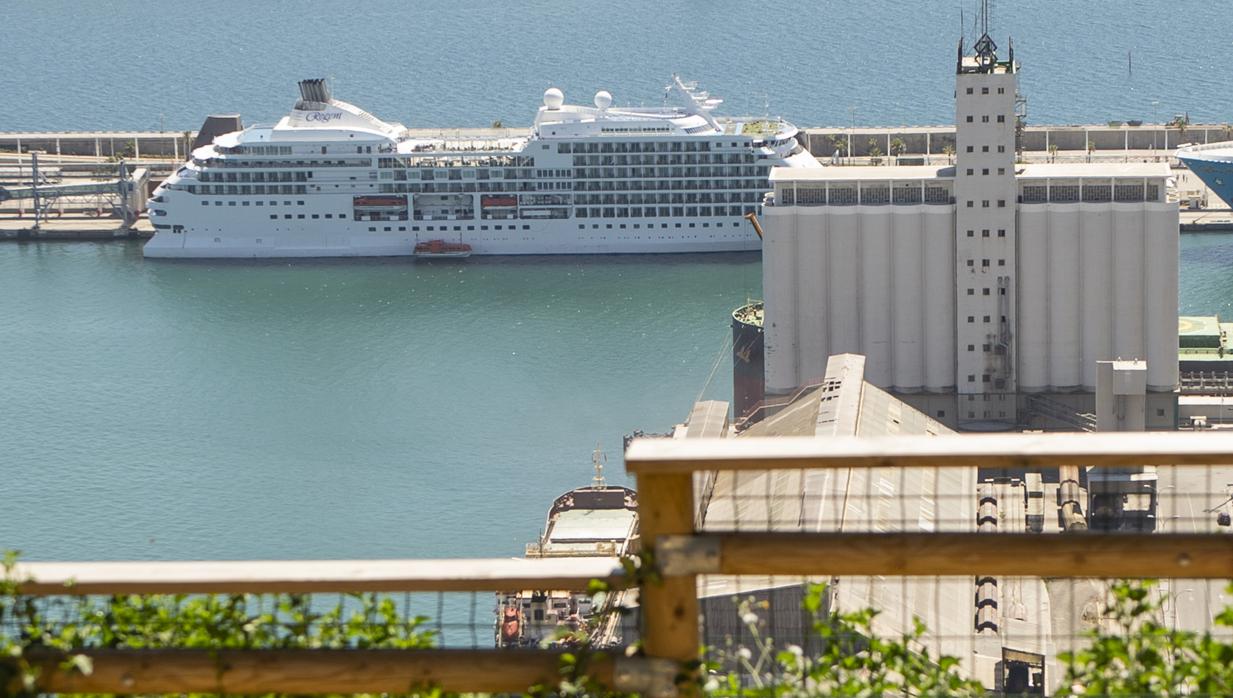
[333, 409]
[141, 64]
[355, 409]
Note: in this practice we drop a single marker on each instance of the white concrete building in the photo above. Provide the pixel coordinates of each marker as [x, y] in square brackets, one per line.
[980, 290]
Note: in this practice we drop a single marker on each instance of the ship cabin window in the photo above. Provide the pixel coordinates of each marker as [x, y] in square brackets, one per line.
[984, 233]
[970, 148]
[1001, 118]
[205, 203]
[984, 291]
[342, 215]
[971, 291]
[969, 90]
[984, 149]
[372, 229]
[300, 216]
[984, 90]
[287, 216]
[329, 215]
[323, 150]
[969, 118]
[273, 216]
[315, 216]
[1001, 90]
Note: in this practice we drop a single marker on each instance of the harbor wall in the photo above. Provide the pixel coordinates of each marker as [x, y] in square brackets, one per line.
[865, 141]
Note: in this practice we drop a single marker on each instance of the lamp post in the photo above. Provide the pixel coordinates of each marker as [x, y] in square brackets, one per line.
[1155, 120]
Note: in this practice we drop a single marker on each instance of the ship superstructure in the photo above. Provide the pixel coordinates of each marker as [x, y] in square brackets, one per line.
[330, 179]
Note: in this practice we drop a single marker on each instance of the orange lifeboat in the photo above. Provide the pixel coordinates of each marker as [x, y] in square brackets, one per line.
[441, 249]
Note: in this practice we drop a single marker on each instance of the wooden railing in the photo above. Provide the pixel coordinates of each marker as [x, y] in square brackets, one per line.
[664, 470]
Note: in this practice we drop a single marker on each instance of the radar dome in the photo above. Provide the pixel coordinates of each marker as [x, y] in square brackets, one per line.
[553, 98]
[603, 99]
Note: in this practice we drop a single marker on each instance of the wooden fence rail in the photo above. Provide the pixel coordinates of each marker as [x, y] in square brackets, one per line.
[665, 471]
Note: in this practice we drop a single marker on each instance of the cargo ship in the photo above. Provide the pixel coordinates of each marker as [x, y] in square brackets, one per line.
[595, 521]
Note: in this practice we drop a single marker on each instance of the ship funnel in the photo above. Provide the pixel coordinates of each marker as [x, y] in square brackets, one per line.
[315, 90]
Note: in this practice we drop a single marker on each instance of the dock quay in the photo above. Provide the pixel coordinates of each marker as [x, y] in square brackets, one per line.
[822, 141]
[78, 168]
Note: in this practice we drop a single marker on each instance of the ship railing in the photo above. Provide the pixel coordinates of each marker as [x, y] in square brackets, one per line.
[1197, 147]
[681, 558]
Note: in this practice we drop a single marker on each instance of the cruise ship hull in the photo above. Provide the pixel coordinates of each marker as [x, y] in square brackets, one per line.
[726, 234]
[1216, 173]
[331, 180]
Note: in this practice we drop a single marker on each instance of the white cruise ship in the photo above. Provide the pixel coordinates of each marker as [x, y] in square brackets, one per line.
[330, 179]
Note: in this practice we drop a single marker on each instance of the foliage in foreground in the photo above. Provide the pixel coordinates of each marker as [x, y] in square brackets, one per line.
[1140, 656]
[852, 660]
[1133, 653]
[165, 621]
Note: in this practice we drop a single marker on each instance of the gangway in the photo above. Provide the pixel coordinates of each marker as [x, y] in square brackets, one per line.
[128, 188]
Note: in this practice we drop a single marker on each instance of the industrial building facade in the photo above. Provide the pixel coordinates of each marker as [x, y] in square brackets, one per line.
[977, 291]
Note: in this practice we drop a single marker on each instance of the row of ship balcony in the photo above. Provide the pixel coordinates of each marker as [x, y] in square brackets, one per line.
[647, 186]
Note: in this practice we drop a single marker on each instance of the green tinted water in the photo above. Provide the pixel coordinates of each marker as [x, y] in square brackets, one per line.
[333, 409]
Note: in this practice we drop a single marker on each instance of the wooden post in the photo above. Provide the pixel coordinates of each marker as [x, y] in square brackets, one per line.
[670, 607]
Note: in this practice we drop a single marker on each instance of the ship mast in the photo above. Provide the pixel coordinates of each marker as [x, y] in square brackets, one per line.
[598, 458]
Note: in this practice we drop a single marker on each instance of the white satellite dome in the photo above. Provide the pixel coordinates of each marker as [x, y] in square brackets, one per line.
[553, 98]
[603, 99]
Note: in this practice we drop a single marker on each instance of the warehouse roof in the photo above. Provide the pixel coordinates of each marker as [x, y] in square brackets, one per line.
[845, 173]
